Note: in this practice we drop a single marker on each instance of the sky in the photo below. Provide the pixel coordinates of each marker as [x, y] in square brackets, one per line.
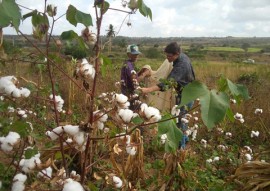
[170, 18]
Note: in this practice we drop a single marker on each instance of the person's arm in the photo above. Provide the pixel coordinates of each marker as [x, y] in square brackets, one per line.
[150, 89]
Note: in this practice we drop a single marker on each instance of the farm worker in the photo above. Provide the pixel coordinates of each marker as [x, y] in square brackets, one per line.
[164, 101]
[129, 77]
[182, 73]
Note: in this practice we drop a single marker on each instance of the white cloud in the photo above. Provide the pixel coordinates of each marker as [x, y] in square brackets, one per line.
[171, 18]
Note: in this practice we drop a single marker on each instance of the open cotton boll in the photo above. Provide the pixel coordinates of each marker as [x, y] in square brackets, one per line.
[120, 98]
[131, 150]
[71, 185]
[54, 134]
[117, 182]
[258, 111]
[25, 92]
[126, 115]
[12, 137]
[16, 93]
[45, 173]
[79, 138]
[248, 157]
[100, 125]
[27, 165]
[18, 182]
[163, 138]
[71, 129]
[152, 113]
[175, 111]
[254, 134]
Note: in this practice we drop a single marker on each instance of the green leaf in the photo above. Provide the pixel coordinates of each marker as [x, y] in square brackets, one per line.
[193, 91]
[29, 14]
[144, 10]
[137, 120]
[213, 107]
[230, 114]
[69, 35]
[174, 134]
[107, 63]
[106, 6]
[39, 18]
[75, 16]
[29, 153]
[21, 128]
[70, 15]
[10, 12]
[4, 18]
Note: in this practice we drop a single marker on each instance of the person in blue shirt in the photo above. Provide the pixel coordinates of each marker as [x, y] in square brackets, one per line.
[182, 73]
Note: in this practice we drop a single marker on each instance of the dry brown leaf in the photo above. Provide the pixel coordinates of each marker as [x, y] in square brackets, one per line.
[116, 149]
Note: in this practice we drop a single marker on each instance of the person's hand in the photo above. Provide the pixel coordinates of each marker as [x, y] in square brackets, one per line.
[142, 90]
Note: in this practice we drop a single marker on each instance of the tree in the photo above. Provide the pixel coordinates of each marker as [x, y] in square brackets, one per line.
[110, 34]
[245, 47]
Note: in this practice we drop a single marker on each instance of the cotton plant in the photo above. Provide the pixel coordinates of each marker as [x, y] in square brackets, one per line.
[84, 70]
[7, 143]
[59, 102]
[18, 183]
[8, 86]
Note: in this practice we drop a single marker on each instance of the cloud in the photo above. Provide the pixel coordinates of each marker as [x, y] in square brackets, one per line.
[171, 18]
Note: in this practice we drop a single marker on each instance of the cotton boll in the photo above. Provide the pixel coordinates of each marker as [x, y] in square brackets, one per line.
[254, 134]
[25, 92]
[18, 182]
[45, 173]
[100, 125]
[258, 111]
[126, 115]
[71, 185]
[248, 157]
[175, 111]
[152, 114]
[131, 150]
[12, 137]
[216, 159]
[71, 129]
[117, 182]
[16, 93]
[209, 160]
[79, 138]
[120, 98]
[163, 138]
[6, 147]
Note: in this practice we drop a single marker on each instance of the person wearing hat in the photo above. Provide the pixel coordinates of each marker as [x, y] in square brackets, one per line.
[129, 78]
[182, 73]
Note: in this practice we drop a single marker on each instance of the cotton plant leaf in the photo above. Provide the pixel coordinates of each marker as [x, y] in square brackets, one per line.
[75, 16]
[213, 107]
[10, 13]
[144, 9]
[174, 134]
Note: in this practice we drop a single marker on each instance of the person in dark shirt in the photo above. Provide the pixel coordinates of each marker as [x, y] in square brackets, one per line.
[182, 73]
[129, 77]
